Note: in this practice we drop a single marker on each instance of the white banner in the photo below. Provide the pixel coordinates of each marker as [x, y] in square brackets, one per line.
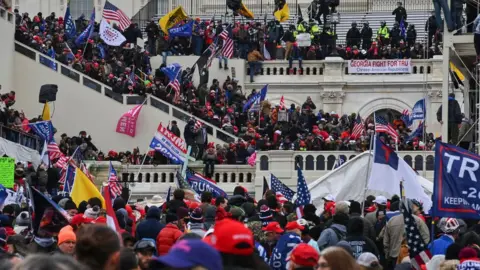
[303, 40]
[109, 35]
[367, 66]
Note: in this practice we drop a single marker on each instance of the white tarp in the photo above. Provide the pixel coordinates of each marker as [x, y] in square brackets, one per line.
[349, 181]
[19, 152]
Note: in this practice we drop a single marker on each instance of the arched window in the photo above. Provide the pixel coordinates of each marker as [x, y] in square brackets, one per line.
[331, 162]
[309, 164]
[408, 160]
[430, 163]
[264, 163]
[419, 163]
[320, 163]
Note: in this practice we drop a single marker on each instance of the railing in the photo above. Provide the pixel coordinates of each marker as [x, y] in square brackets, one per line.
[20, 137]
[105, 90]
[156, 179]
[323, 161]
[318, 67]
[262, 7]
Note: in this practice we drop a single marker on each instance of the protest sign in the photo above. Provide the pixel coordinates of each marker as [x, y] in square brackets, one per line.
[367, 66]
[7, 170]
[304, 40]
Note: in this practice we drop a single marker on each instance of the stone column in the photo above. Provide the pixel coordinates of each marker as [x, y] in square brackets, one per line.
[334, 69]
[435, 101]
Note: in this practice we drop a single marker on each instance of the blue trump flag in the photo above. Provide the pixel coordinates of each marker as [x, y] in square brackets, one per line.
[43, 129]
[253, 104]
[172, 71]
[200, 183]
[102, 51]
[456, 187]
[87, 33]
[70, 27]
[417, 133]
[3, 194]
[181, 31]
[402, 28]
[418, 111]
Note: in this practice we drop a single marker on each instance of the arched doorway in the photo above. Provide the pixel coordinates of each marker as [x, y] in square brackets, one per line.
[388, 114]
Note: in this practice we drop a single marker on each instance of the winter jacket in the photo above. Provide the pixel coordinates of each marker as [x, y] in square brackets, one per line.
[151, 226]
[393, 234]
[284, 246]
[173, 205]
[236, 200]
[361, 244]
[439, 246]
[464, 127]
[454, 112]
[331, 236]
[167, 238]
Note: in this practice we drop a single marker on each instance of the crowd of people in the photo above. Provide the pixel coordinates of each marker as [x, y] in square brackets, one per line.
[234, 233]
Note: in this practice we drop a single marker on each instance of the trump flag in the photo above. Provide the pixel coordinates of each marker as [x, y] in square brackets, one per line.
[388, 170]
[169, 145]
[127, 124]
[456, 191]
[109, 35]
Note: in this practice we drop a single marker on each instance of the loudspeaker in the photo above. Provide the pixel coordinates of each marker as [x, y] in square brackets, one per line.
[48, 92]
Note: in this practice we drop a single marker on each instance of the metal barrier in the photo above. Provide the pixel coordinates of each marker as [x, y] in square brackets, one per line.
[20, 137]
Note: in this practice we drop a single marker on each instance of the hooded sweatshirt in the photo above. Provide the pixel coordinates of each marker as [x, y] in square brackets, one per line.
[151, 226]
[329, 236]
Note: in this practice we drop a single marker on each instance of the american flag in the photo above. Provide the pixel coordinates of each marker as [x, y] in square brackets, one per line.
[280, 188]
[214, 53]
[175, 85]
[62, 162]
[418, 251]
[381, 125]
[85, 170]
[198, 125]
[67, 178]
[53, 151]
[303, 194]
[111, 12]
[282, 103]
[358, 128]
[113, 184]
[227, 49]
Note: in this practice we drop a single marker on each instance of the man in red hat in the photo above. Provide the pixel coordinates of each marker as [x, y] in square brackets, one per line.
[303, 257]
[273, 232]
[285, 245]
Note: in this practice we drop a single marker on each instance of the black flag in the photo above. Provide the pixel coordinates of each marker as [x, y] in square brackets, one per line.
[265, 185]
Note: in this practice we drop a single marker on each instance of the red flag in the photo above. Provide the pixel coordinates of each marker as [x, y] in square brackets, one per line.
[127, 124]
[112, 221]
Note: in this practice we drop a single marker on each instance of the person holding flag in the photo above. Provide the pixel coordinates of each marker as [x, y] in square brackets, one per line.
[87, 33]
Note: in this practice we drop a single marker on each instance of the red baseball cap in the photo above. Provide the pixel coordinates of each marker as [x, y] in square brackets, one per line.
[232, 237]
[294, 225]
[273, 227]
[304, 255]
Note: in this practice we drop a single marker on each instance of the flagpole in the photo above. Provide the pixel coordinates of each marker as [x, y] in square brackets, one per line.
[70, 158]
[368, 173]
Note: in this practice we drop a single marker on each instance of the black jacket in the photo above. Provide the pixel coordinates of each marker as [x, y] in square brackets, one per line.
[454, 112]
[361, 244]
[353, 36]
[400, 13]
[175, 130]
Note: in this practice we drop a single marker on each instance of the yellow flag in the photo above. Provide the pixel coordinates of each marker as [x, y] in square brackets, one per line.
[46, 112]
[457, 71]
[83, 189]
[172, 18]
[245, 12]
[282, 14]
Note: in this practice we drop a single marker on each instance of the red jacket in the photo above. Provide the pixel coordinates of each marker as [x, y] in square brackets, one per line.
[167, 237]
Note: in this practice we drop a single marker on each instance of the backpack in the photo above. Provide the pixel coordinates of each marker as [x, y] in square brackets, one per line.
[340, 235]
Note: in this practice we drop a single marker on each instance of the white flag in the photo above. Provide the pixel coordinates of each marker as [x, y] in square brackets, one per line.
[388, 170]
[44, 157]
[109, 35]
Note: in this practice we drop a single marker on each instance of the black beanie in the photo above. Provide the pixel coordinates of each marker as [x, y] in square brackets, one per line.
[82, 207]
[69, 205]
[355, 207]
[118, 203]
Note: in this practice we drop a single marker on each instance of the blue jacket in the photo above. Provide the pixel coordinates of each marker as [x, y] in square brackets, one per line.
[151, 226]
[440, 245]
[286, 243]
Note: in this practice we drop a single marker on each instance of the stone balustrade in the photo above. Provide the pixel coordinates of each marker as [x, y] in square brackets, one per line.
[149, 180]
